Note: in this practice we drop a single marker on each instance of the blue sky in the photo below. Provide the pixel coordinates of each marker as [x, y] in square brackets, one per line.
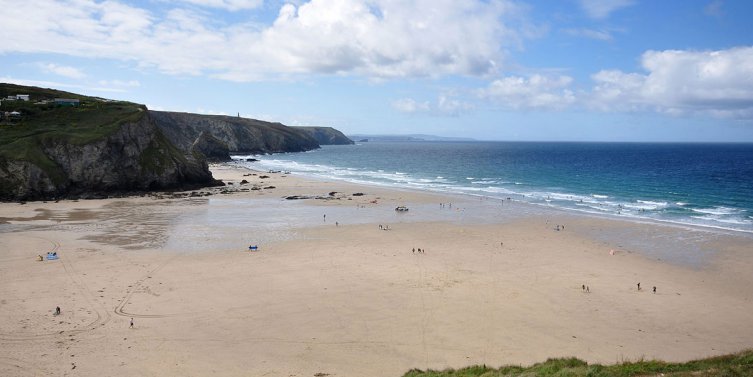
[570, 70]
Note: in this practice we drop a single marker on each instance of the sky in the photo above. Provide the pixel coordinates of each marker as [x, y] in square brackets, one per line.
[565, 70]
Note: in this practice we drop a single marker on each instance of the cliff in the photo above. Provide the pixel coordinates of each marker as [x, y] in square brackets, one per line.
[327, 135]
[96, 148]
[90, 147]
[240, 135]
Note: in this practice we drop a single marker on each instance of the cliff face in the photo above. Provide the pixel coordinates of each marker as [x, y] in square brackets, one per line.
[212, 148]
[97, 147]
[135, 157]
[240, 135]
[327, 135]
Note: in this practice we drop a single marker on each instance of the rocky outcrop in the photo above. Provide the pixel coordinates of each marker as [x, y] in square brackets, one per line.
[136, 157]
[210, 147]
[327, 135]
[241, 135]
[105, 147]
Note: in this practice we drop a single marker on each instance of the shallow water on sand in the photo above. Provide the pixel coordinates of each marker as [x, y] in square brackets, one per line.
[235, 224]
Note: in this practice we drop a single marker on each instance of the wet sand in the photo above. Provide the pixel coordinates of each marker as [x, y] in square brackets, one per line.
[497, 284]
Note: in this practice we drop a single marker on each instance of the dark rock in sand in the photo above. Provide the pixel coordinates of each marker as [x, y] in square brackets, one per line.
[297, 197]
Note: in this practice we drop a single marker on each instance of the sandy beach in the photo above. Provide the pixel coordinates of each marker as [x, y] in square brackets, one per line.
[336, 287]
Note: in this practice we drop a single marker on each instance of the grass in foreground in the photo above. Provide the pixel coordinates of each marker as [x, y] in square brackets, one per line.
[739, 364]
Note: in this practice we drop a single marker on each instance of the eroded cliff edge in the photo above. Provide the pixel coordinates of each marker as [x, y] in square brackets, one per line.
[240, 135]
[55, 144]
[135, 156]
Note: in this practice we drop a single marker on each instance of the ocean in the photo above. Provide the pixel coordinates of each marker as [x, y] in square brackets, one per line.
[706, 185]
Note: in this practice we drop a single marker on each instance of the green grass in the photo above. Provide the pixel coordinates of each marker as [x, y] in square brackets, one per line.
[739, 364]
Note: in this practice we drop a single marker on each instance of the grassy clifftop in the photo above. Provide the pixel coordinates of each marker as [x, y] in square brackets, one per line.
[41, 121]
[89, 148]
[91, 119]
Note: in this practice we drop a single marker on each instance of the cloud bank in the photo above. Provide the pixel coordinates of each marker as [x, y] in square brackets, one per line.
[681, 82]
[376, 40]
[675, 82]
[534, 92]
[373, 38]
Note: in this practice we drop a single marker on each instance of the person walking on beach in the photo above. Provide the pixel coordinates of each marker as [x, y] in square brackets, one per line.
[57, 310]
[131, 323]
[654, 289]
[639, 286]
[325, 217]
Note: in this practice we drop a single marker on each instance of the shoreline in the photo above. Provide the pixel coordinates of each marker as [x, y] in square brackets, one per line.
[497, 284]
[593, 204]
[538, 209]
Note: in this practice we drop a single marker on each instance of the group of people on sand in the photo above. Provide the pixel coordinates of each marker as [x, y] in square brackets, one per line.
[384, 227]
[587, 289]
[443, 205]
[639, 287]
[420, 250]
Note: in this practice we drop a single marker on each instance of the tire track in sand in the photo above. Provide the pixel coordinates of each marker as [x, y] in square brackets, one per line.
[136, 287]
[102, 314]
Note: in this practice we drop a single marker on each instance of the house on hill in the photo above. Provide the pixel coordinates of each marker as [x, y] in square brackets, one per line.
[66, 102]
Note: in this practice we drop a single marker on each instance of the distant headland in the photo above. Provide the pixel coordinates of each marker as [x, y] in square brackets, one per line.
[56, 144]
[411, 137]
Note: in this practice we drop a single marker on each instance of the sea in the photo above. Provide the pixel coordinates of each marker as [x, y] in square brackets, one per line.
[698, 184]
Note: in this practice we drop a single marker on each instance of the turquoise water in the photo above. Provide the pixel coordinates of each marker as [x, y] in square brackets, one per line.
[709, 185]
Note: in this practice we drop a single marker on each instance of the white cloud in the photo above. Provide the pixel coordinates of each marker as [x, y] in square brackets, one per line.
[409, 105]
[232, 5]
[533, 92]
[445, 105]
[448, 105]
[372, 38]
[601, 35]
[62, 70]
[38, 83]
[60, 85]
[601, 9]
[719, 83]
[120, 83]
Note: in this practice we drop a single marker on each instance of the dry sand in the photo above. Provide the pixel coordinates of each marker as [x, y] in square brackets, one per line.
[497, 284]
